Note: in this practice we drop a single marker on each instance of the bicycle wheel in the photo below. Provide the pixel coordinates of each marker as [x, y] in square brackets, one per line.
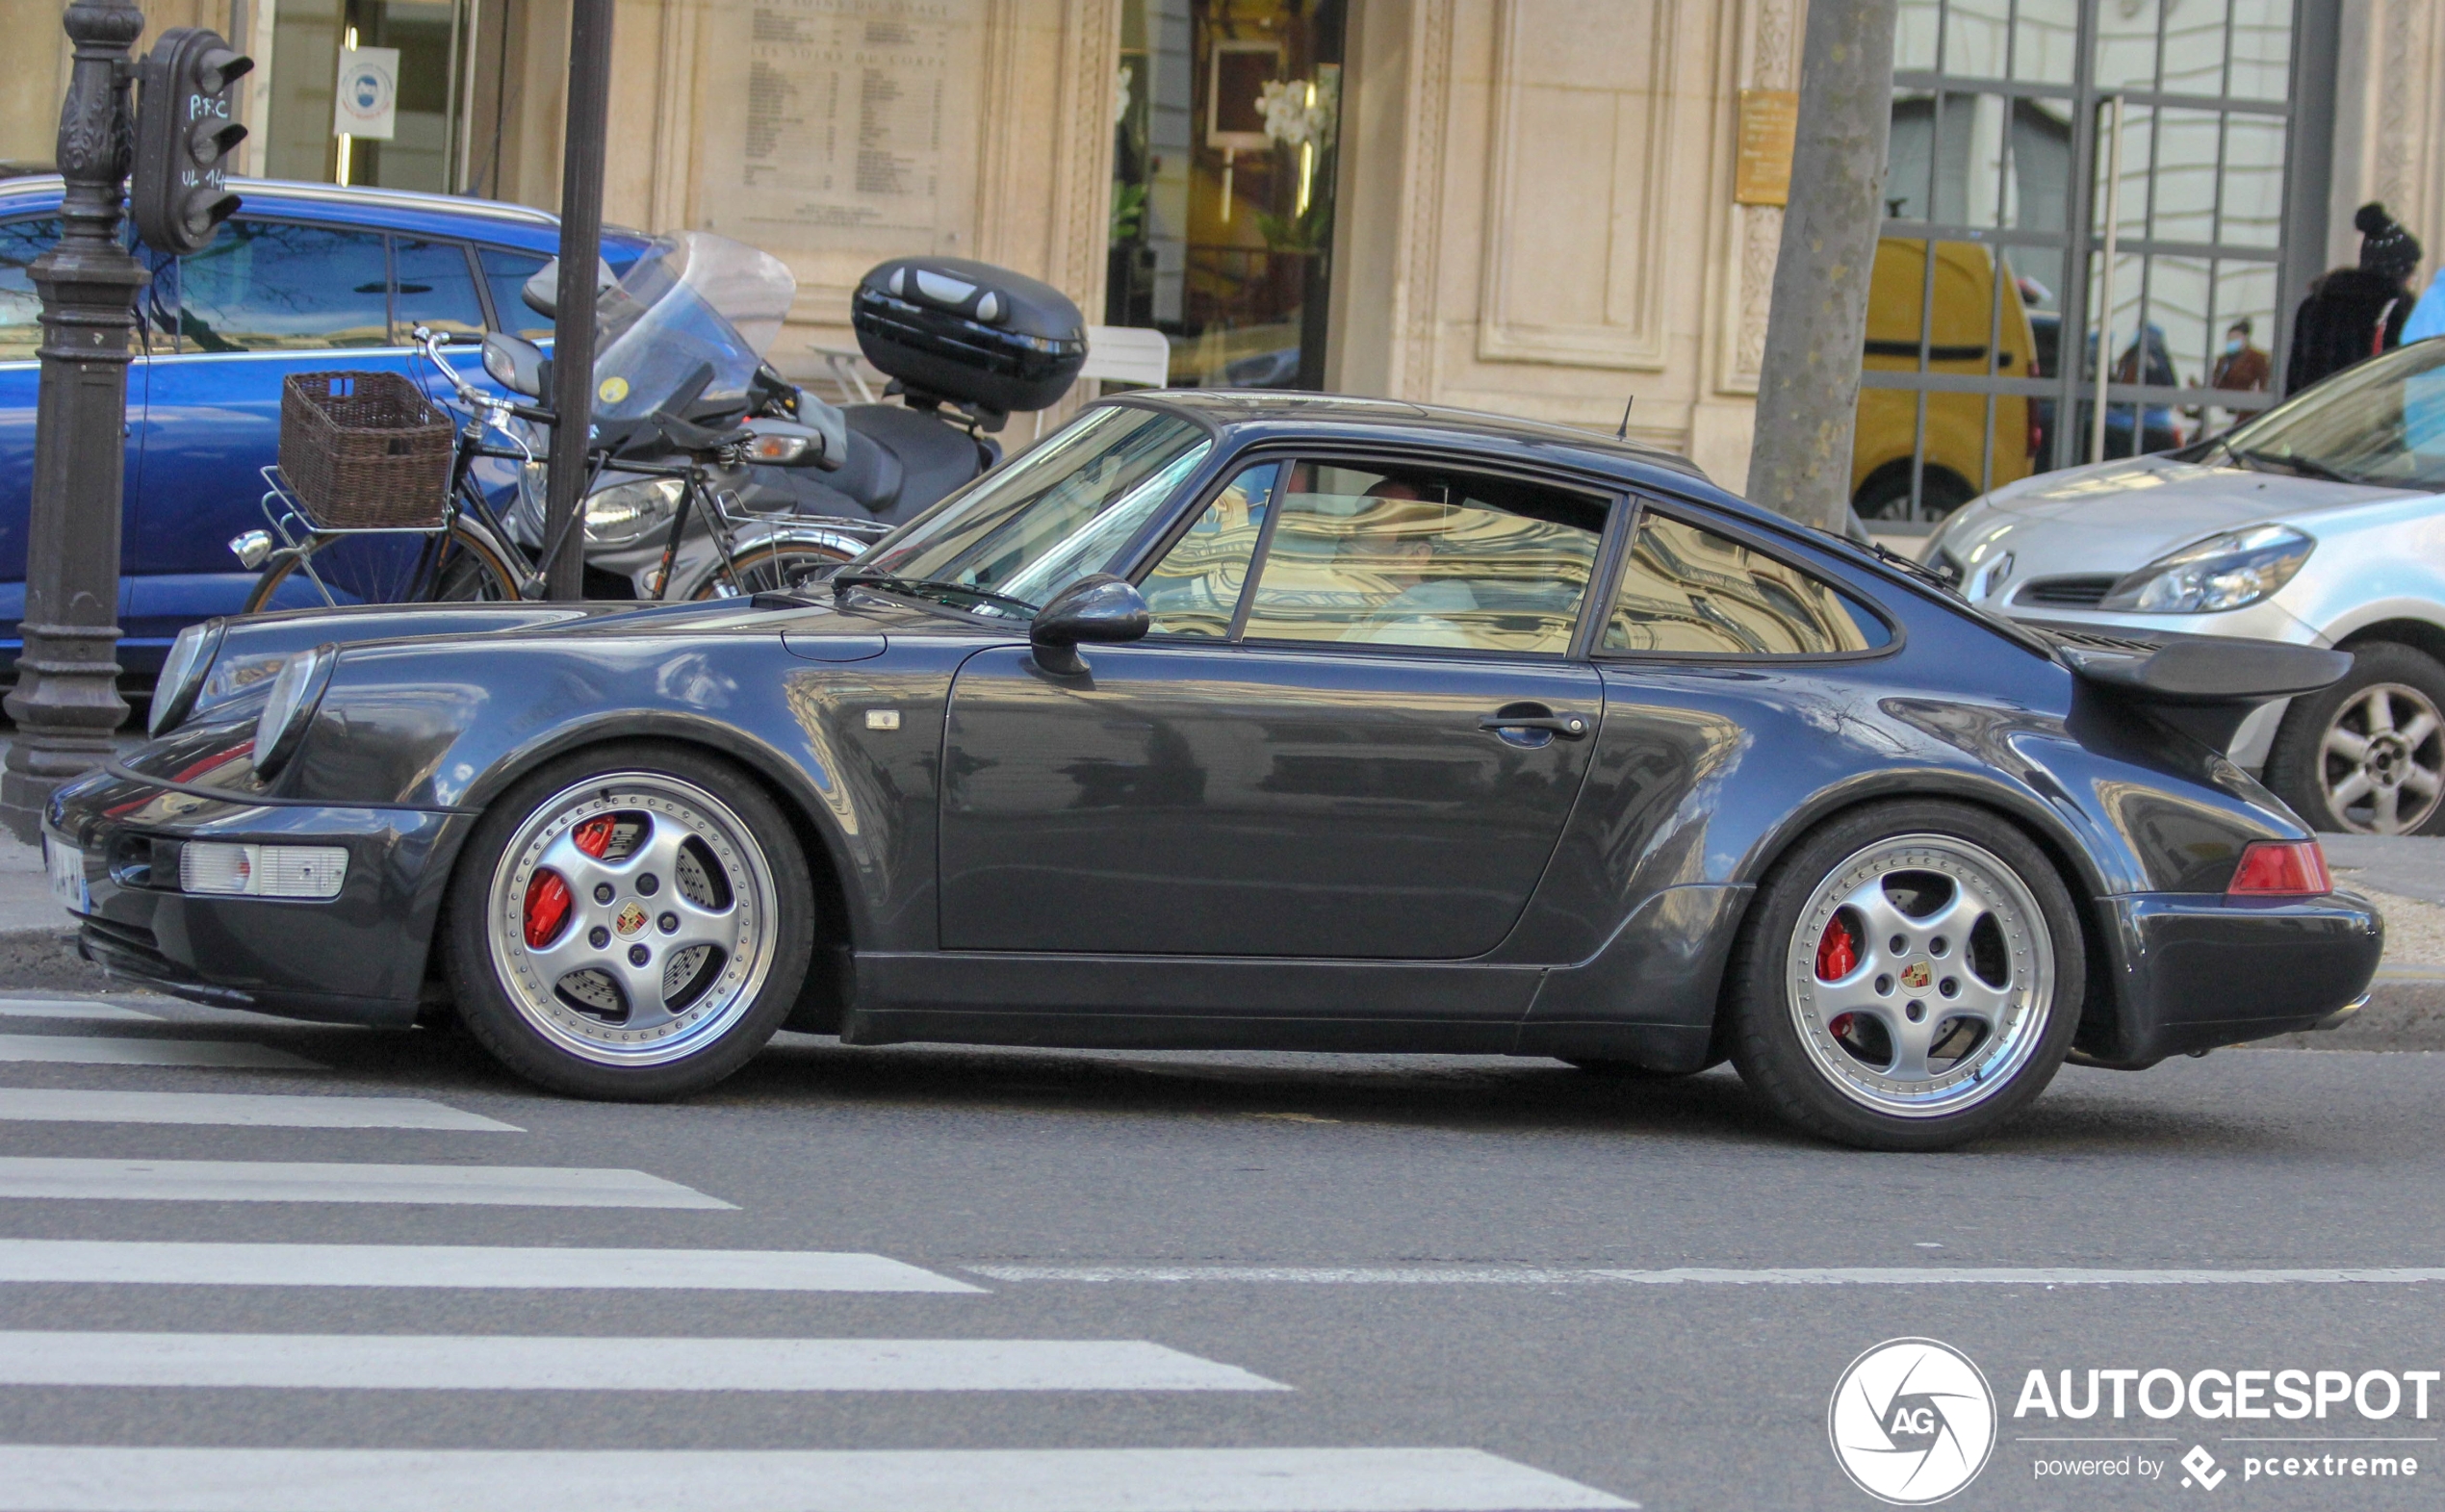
[384, 569]
[774, 567]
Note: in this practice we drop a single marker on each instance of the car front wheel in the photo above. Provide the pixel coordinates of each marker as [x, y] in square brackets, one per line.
[631, 923]
[1909, 977]
[2367, 756]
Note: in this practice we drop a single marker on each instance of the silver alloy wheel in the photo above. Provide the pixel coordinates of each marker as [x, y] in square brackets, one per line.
[2381, 760]
[666, 930]
[1947, 987]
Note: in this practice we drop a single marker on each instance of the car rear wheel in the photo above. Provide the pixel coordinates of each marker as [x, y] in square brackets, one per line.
[631, 923]
[1909, 977]
[2367, 756]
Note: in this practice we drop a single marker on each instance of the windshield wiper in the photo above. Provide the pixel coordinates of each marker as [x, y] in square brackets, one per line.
[2291, 462]
[927, 587]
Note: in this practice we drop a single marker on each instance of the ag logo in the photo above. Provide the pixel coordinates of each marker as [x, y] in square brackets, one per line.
[1918, 974]
[629, 920]
[1911, 1421]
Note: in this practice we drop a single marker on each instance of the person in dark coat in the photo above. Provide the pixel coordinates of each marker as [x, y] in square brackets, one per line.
[2352, 314]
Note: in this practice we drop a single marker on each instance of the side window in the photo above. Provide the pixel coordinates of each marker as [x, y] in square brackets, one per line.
[21, 242]
[505, 274]
[1411, 557]
[434, 289]
[271, 286]
[1195, 589]
[1689, 591]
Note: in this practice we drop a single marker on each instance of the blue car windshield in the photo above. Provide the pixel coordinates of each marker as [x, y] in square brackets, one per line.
[2379, 422]
[1055, 514]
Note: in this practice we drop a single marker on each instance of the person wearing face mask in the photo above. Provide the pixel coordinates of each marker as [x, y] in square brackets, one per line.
[2240, 365]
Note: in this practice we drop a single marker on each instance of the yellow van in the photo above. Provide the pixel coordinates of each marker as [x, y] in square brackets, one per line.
[1960, 325]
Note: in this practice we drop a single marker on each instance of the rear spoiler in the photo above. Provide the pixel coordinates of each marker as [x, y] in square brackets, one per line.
[2202, 685]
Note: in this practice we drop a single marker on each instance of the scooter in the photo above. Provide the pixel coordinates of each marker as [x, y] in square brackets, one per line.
[963, 343]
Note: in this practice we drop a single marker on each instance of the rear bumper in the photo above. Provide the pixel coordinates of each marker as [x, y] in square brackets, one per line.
[359, 957]
[2189, 971]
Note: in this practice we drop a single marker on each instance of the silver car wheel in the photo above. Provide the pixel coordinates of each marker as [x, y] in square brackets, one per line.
[2383, 761]
[631, 919]
[1921, 976]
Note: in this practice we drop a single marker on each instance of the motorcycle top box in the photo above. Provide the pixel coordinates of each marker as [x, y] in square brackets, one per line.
[969, 333]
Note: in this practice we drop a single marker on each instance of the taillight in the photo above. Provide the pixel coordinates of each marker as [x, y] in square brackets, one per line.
[2282, 869]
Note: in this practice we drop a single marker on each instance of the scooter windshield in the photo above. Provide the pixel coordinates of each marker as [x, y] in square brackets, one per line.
[694, 300]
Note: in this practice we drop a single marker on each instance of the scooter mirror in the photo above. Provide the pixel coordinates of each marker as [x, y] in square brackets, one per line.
[542, 292]
[515, 365]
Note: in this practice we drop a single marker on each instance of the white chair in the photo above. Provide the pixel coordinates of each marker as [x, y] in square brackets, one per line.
[1127, 354]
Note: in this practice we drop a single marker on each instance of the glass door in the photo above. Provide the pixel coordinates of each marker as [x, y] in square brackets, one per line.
[2114, 170]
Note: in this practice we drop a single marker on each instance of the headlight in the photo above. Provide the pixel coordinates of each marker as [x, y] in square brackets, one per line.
[182, 673]
[294, 693]
[625, 513]
[2223, 572]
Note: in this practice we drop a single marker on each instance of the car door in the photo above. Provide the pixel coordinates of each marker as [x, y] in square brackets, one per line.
[268, 298]
[22, 241]
[1356, 731]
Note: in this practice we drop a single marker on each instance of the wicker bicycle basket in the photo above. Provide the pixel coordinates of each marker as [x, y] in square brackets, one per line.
[365, 451]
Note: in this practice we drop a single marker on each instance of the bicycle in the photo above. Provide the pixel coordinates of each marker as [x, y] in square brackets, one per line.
[470, 555]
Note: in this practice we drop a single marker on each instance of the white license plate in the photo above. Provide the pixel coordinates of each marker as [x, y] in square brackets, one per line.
[67, 865]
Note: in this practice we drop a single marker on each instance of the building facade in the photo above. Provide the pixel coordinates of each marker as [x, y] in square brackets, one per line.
[1554, 208]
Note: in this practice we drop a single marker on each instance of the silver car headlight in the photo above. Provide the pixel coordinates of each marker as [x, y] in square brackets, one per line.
[294, 694]
[626, 513]
[183, 673]
[2223, 572]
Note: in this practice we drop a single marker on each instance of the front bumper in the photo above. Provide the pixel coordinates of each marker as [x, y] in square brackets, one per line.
[2191, 971]
[359, 957]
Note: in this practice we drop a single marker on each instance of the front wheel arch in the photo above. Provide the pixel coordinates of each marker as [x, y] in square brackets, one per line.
[820, 1004]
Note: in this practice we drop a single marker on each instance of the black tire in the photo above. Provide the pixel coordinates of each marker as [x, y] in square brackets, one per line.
[1836, 1078]
[779, 568]
[2312, 766]
[471, 572]
[525, 1008]
[1884, 493]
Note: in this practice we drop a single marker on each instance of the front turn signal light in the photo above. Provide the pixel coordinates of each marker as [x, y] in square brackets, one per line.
[2282, 869]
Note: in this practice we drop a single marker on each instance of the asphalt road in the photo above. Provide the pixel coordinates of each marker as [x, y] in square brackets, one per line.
[1035, 1280]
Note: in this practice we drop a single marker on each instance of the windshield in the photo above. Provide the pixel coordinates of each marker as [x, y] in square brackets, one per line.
[1055, 515]
[692, 301]
[2382, 423]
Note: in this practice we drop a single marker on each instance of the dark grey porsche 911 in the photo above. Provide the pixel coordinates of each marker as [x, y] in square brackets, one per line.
[1225, 721]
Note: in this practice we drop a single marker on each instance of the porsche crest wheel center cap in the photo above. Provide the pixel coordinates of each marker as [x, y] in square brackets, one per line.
[630, 922]
[1918, 974]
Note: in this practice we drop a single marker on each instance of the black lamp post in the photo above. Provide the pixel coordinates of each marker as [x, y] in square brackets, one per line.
[66, 701]
[573, 319]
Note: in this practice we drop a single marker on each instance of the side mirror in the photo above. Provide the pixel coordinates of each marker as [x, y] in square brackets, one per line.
[542, 292]
[1100, 609]
[515, 365]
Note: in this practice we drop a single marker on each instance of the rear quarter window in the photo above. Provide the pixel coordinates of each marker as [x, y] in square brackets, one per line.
[1690, 591]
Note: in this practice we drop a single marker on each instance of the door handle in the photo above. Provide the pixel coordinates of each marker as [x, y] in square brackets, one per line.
[1566, 724]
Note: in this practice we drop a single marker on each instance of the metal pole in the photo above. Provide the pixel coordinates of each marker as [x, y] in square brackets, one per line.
[2105, 284]
[573, 320]
[66, 701]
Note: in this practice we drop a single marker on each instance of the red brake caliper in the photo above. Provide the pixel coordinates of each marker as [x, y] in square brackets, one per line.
[547, 895]
[1836, 953]
[546, 909]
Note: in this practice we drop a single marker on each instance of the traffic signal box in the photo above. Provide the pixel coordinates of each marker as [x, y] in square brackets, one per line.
[185, 129]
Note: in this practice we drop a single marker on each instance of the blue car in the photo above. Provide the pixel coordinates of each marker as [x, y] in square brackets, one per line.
[305, 278]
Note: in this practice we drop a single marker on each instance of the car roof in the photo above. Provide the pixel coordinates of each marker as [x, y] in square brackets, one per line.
[493, 220]
[1351, 419]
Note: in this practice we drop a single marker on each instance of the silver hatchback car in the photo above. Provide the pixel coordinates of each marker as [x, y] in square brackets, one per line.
[2320, 522]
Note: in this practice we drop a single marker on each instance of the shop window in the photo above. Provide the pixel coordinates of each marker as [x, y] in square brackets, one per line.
[1690, 591]
[1227, 140]
[434, 290]
[277, 285]
[1403, 557]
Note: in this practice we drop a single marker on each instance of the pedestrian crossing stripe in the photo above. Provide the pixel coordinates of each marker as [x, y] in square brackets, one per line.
[239, 1109]
[158, 1263]
[229, 1055]
[334, 1181]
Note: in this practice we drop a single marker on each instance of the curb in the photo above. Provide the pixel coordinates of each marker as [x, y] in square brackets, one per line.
[47, 959]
